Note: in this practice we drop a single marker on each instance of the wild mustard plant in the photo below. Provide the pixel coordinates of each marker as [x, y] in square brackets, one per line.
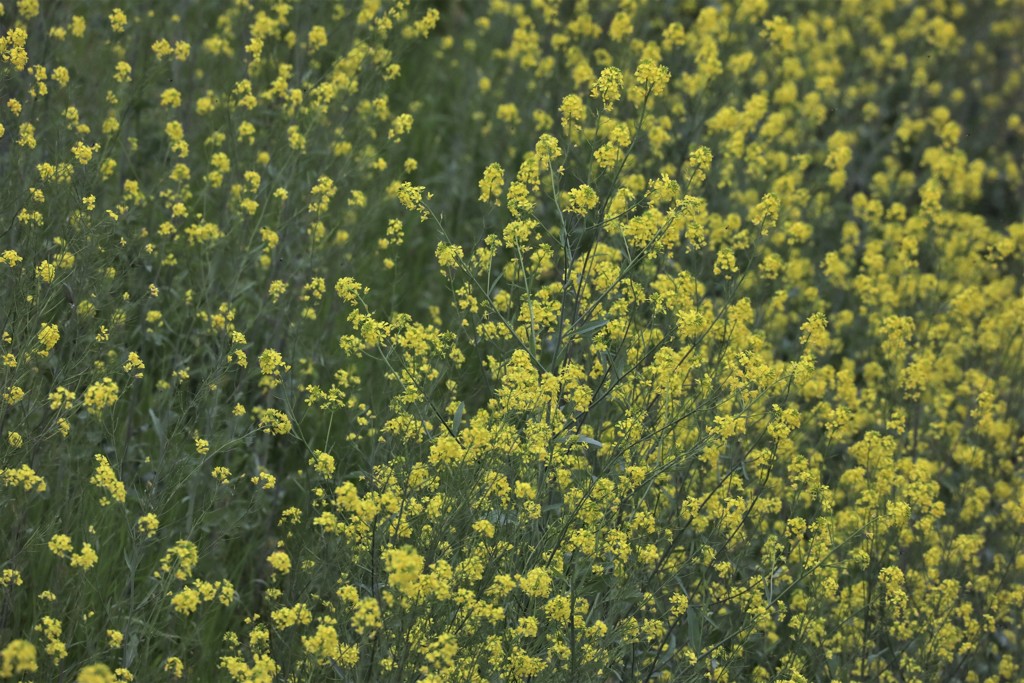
[549, 341]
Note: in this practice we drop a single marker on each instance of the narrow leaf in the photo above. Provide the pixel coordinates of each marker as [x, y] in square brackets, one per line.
[693, 626]
[457, 422]
[591, 327]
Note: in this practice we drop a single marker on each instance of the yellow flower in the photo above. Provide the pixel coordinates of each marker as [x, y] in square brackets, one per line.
[492, 184]
[404, 566]
[28, 9]
[264, 480]
[148, 524]
[162, 48]
[608, 86]
[170, 97]
[280, 561]
[182, 558]
[508, 113]
[448, 255]
[323, 463]
[401, 125]
[86, 558]
[652, 76]
[27, 135]
[106, 479]
[573, 113]
[60, 545]
[84, 153]
[316, 38]
[286, 617]
[100, 395]
[410, 196]
[26, 478]
[680, 603]
[273, 421]
[536, 583]
[186, 601]
[134, 365]
[96, 673]
[271, 362]
[174, 666]
[18, 657]
[325, 646]
[484, 528]
[725, 263]
[766, 213]
[582, 199]
[53, 629]
[10, 257]
[348, 290]
[221, 474]
[46, 271]
[122, 72]
[118, 20]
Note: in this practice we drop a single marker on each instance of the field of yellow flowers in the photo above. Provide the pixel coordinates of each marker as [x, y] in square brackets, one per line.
[512, 340]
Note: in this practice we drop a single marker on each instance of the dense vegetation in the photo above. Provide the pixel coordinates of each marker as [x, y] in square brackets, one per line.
[526, 341]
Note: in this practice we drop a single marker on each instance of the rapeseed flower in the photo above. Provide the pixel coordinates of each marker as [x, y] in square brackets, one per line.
[714, 376]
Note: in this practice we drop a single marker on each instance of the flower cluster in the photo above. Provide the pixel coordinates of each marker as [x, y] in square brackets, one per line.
[665, 343]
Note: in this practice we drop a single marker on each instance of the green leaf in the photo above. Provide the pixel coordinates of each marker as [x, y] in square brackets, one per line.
[590, 327]
[457, 422]
[158, 427]
[693, 626]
